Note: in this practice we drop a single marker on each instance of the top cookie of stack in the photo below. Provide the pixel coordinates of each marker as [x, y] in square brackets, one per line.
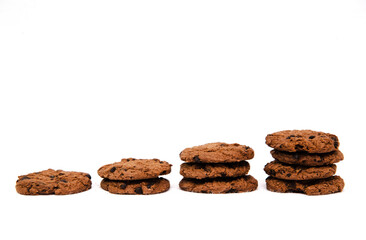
[302, 158]
[217, 168]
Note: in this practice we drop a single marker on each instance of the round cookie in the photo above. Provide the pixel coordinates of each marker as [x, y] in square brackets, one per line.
[329, 185]
[53, 182]
[134, 169]
[145, 187]
[297, 172]
[220, 185]
[214, 170]
[217, 153]
[303, 141]
[308, 159]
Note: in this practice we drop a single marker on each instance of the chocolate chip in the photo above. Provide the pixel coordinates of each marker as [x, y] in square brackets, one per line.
[88, 176]
[123, 186]
[288, 175]
[52, 176]
[164, 172]
[232, 191]
[290, 136]
[311, 137]
[138, 190]
[63, 180]
[150, 184]
[336, 143]
[203, 191]
[112, 169]
[196, 158]
[299, 147]
[24, 178]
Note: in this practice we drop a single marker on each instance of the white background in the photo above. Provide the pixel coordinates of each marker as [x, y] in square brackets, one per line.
[85, 83]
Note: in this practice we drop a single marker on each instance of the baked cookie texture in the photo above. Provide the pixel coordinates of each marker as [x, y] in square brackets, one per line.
[304, 162]
[218, 152]
[217, 168]
[297, 172]
[308, 159]
[134, 169]
[303, 141]
[329, 185]
[211, 170]
[51, 181]
[135, 176]
[136, 187]
[220, 185]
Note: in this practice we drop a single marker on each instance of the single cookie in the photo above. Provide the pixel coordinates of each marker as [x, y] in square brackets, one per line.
[145, 187]
[220, 185]
[308, 159]
[330, 185]
[217, 153]
[134, 169]
[303, 141]
[214, 170]
[297, 172]
[53, 182]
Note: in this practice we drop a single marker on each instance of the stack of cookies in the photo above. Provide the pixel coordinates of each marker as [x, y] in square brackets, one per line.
[135, 176]
[304, 162]
[217, 168]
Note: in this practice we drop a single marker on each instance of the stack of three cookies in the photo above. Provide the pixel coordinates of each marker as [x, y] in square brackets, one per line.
[135, 176]
[304, 162]
[217, 168]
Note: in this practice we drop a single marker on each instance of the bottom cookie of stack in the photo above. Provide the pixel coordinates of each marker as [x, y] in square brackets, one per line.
[144, 187]
[324, 186]
[245, 183]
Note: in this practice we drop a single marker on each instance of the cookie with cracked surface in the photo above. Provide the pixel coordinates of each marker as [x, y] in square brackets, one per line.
[136, 187]
[214, 170]
[308, 159]
[219, 185]
[325, 186]
[134, 169]
[51, 181]
[217, 153]
[296, 172]
[303, 141]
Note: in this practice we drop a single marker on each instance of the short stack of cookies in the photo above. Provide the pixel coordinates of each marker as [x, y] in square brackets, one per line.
[304, 162]
[217, 168]
[135, 176]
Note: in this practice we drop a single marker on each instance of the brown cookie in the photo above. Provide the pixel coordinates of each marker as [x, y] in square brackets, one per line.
[329, 185]
[134, 169]
[308, 159]
[217, 153]
[220, 185]
[297, 172]
[214, 170]
[53, 182]
[303, 141]
[145, 187]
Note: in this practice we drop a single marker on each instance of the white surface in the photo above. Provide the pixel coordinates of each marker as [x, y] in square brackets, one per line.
[85, 83]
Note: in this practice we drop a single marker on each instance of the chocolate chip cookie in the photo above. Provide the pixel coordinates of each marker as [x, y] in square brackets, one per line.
[214, 170]
[135, 187]
[220, 185]
[308, 159]
[297, 172]
[134, 169]
[53, 182]
[329, 185]
[303, 141]
[217, 153]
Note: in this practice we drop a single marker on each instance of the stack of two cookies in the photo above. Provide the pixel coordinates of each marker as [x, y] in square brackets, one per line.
[217, 168]
[135, 176]
[304, 162]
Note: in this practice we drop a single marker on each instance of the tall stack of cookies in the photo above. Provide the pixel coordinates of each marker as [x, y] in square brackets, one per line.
[217, 168]
[304, 162]
[135, 176]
